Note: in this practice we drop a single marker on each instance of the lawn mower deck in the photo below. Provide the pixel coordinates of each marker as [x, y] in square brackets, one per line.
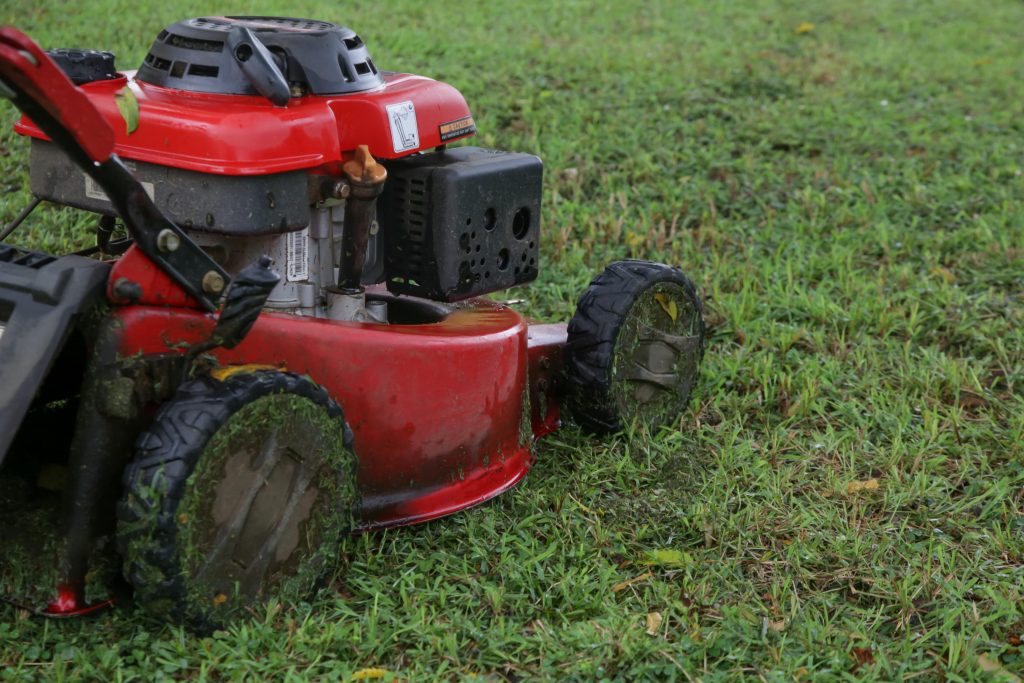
[231, 423]
[453, 433]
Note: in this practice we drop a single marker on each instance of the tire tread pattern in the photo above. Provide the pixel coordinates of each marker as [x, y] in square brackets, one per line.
[592, 334]
[166, 454]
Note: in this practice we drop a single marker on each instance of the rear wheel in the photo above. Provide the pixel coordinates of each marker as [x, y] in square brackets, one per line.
[634, 348]
[241, 491]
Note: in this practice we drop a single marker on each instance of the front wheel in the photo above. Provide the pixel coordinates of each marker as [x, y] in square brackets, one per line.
[241, 490]
[634, 347]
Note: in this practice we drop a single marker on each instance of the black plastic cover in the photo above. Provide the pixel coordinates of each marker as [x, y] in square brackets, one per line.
[315, 56]
[461, 222]
[41, 297]
[84, 66]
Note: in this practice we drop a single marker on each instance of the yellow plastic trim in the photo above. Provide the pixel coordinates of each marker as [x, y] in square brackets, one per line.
[221, 374]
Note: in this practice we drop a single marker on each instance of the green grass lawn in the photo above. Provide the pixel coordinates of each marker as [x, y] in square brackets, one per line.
[845, 497]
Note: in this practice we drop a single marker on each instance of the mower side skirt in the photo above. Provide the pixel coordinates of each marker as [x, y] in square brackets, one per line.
[441, 412]
[40, 299]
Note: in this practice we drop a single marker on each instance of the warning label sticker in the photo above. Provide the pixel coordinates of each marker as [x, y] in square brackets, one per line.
[297, 248]
[94, 191]
[405, 133]
[457, 128]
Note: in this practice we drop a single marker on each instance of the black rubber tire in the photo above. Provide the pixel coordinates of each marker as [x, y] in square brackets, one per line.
[155, 532]
[593, 381]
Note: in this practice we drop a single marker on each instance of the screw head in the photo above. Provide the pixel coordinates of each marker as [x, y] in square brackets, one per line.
[168, 240]
[339, 189]
[213, 282]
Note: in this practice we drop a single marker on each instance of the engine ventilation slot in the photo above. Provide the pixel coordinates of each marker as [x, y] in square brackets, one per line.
[316, 57]
[203, 70]
[156, 62]
[345, 73]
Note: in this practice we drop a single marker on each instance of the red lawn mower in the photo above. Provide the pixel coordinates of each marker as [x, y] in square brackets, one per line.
[301, 241]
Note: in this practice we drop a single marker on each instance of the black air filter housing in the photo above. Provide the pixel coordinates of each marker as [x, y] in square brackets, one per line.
[317, 57]
[461, 222]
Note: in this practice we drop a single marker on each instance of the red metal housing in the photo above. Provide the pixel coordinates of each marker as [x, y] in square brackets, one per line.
[247, 135]
[445, 414]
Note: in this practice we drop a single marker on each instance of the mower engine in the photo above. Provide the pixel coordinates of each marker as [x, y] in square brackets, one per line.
[280, 136]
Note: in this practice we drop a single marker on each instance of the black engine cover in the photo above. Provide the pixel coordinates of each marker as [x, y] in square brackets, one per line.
[461, 222]
[317, 56]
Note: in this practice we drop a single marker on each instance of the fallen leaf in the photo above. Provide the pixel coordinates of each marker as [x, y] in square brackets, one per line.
[945, 274]
[623, 585]
[369, 673]
[570, 174]
[777, 626]
[666, 556]
[803, 27]
[970, 400]
[991, 664]
[863, 655]
[129, 108]
[866, 189]
[668, 304]
[654, 620]
[855, 487]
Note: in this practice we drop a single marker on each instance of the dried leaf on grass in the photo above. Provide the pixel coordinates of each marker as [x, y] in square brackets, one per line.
[945, 274]
[855, 487]
[623, 585]
[991, 664]
[863, 655]
[970, 400]
[654, 620]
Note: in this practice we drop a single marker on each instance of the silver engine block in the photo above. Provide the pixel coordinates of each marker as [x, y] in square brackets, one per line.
[307, 261]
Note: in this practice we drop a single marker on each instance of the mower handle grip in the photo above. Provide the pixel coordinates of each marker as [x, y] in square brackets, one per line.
[24, 65]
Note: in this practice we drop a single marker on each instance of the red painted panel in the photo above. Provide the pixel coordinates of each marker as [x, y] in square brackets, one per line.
[437, 409]
[546, 343]
[156, 288]
[247, 135]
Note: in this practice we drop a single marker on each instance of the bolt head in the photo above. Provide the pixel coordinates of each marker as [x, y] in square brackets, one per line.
[340, 189]
[213, 282]
[167, 240]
